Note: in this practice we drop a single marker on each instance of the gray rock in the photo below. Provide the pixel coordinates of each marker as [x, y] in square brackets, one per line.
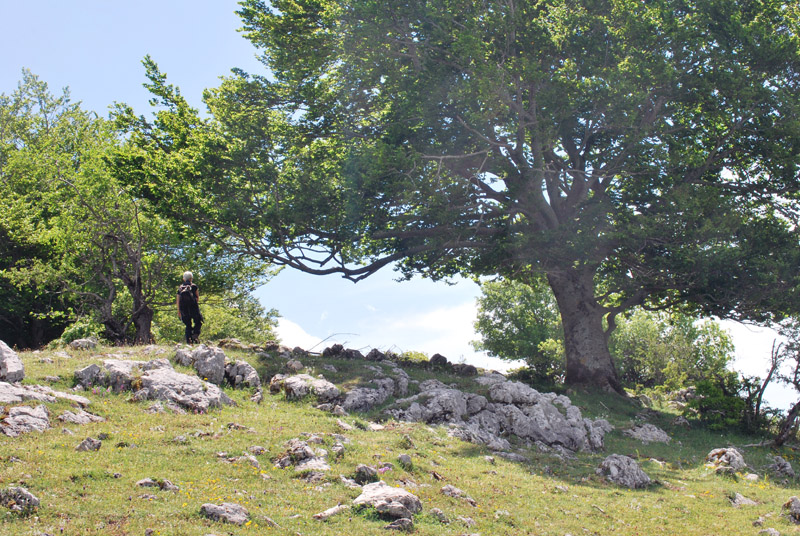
[225, 512]
[452, 491]
[793, 507]
[242, 374]
[209, 362]
[440, 516]
[394, 509]
[438, 361]
[80, 417]
[726, 458]
[294, 366]
[404, 524]
[782, 467]
[11, 368]
[88, 375]
[89, 444]
[648, 433]
[380, 492]
[186, 391]
[84, 344]
[15, 393]
[465, 370]
[183, 356]
[365, 474]
[363, 399]
[18, 499]
[770, 532]
[623, 471]
[303, 385]
[24, 419]
[738, 500]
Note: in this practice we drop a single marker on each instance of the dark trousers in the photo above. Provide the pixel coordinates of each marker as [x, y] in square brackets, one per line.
[192, 332]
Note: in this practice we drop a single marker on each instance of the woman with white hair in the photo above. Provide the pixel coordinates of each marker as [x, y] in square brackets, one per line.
[189, 307]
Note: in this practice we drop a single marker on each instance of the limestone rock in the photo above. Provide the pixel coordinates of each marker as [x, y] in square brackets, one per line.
[404, 524]
[18, 499]
[84, 344]
[728, 459]
[209, 362]
[24, 419]
[302, 385]
[623, 471]
[738, 500]
[793, 507]
[242, 374]
[380, 492]
[782, 467]
[648, 433]
[225, 512]
[11, 368]
[15, 393]
[89, 444]
[79, 417]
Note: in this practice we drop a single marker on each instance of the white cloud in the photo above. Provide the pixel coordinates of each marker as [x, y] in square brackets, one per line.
[291, 334]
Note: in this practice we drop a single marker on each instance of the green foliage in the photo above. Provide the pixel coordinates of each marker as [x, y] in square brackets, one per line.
[671, 350]
[718, 403]
[520, 321]
[83, 328]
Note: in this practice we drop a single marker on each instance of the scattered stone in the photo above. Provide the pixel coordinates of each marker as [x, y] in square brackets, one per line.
[80, 417]
[681, 421]
[782, 467]
[18, 499]
[623, 471]
[294, 366]
[365, 474]
[89, 444]
[256, 450]
[11, 368]
[648, 433]
[770, 532]
[467, 521]
[24, 419]
[350, 483]
[793, 507]
[738, 500]
[393, 509]
[381, 492]
[225, 512]
[726, 460]
[404, 524]
[405, 461]
[440, 516]
[452, 491]
[84, 344]
[330, 512]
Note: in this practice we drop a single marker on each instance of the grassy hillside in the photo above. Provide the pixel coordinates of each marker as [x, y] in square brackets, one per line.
[95, 493]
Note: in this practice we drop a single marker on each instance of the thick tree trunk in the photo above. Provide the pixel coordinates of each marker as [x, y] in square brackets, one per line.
[142, 320]
[589, 362]
[787, 426]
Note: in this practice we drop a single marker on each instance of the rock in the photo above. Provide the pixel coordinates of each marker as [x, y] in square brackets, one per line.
[225, 512]
[381, 492]
[330, 512]
[681, 421]
[186, 391]
[465, 370]
[405, 461]
[769, 532]
[80, 417]
[84, 344]
[726, 459]
[24, 419]
[365, 474]
[183, 356]
[738, 500]
[302, 385]
[623, 471]
[242, 374]
[18, 499]
[452, 491]
[11, 368]
[782, 467]
[209, 362]
[648, 433]
[793, 507]
[16, 393]
[87, 376]
[89, 444]
[440, 516]
[294, 366]
[438, 361]
[405, 524]
[363, 399]
[393, 509]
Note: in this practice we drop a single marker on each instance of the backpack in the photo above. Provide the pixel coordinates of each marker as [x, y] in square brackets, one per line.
[186, 297]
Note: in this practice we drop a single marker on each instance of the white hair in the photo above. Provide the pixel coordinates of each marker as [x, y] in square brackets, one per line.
[187, 276]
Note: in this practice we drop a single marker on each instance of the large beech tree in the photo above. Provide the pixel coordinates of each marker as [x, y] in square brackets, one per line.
[635, 152]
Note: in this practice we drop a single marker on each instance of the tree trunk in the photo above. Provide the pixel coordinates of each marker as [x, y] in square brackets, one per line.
[142, 318]
[787, 425]
[589, 362]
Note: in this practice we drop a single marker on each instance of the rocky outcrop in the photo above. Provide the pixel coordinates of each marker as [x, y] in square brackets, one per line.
[300, 386]
[226, 512]
[79, 417]
[726, 460]
[11, 368]
[512, 408]
[18, 499]
[782, 467]
[382, 495]
[14, 394]
[25, 419]
[623, 471]
[155, 380]
[648, 433]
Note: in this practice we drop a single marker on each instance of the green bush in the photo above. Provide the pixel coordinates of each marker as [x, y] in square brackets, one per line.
[718, 403]
[83, 328]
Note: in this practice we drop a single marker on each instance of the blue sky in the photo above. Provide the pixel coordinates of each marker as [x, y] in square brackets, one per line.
[96, 46]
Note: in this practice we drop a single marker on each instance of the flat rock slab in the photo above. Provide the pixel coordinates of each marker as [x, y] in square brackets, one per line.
[648, 433]
[24, 419]
[15, 394]
[80, 417]
[225, 512]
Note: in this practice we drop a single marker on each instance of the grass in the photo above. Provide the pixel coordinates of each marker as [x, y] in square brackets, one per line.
[95, 493]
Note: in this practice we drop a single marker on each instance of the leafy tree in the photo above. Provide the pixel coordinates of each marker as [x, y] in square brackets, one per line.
[81, 239]
[518, 321]
[635, 153]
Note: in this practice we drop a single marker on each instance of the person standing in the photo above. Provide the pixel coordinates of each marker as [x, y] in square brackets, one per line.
[189, 307]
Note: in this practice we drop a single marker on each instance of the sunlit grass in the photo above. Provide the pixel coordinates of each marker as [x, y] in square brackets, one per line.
[95, 493]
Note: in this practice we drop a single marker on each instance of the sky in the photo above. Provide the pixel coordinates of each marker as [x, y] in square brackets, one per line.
[95, 47]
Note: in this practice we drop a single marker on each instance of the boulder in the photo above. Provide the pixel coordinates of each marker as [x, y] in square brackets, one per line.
[363, 399]
[303, 385]
[726, 460]
[623, 471]
[25, 419]
[89, 444]
[465, 370]
[793, 509]
[15, 393]
[225, 512]
[438, 361]
[380, 493]
[79, 417]
[209, 362]
[189, 392]
[11, 368]
[648, 433]
[18, 499]
[242, 374]
[84, 344]
[781, 467]
[738, 500]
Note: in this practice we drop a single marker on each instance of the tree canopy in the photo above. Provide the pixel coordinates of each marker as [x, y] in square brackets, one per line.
[635, 153]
